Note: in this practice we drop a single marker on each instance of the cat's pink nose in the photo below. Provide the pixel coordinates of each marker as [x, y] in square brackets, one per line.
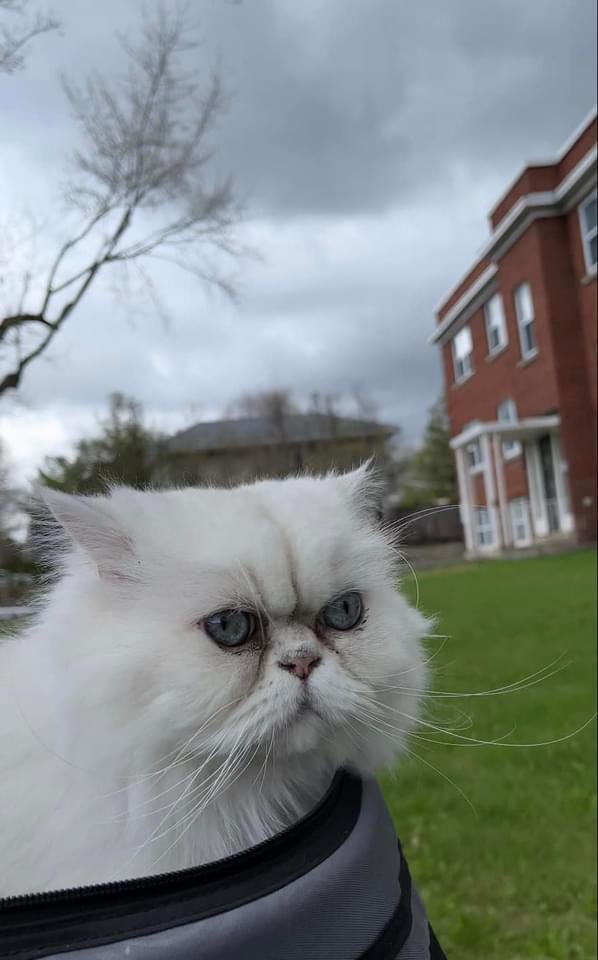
[300, 666]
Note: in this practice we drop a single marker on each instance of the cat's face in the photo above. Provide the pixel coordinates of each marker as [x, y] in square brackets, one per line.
[263, 619]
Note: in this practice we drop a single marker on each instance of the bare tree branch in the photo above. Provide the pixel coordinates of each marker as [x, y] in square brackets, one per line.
[141, 184]
[16, 37]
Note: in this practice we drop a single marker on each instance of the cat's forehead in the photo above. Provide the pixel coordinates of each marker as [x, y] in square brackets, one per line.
[292, 543]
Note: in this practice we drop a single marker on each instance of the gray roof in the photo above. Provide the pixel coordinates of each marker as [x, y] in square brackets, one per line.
[265, 431]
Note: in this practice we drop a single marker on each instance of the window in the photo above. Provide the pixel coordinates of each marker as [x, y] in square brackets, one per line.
[496, 327]
[589, 232]
[524, 307]
[463, 354]
[475, 456]
[520, 525]
[507, 413]
[483, 527]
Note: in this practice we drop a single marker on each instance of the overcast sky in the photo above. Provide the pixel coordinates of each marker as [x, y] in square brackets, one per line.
[367, 138]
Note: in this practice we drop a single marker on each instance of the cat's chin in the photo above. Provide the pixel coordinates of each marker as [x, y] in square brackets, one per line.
[304, 730]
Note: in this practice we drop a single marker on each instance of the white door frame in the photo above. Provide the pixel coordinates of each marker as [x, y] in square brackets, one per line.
[536, 490]
[566, 520]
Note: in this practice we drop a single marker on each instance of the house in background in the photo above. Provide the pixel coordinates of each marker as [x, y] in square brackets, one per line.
[226, 451]
[518, 341]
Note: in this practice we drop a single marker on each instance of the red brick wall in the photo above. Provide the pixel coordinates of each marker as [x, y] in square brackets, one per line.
[533, 180]
[586, 297]
[578, 420]
[478, 490]
[532, 386]
[515, 478]
[546, 176]
[577, 152]
[458, 292]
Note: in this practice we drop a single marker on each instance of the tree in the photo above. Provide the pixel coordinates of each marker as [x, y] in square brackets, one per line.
[432, 468]
[123, 453]
[17, 36]
[140, 189]
[272, 404]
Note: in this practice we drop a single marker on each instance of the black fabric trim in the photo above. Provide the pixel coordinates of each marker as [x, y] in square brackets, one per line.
[436, 951]
[394, 935]
[39, 925]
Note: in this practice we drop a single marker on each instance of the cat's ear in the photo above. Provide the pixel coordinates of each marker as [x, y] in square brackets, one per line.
[92, 525]
[365, 486]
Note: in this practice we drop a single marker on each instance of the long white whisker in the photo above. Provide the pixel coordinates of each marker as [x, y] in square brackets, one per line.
[514, 686]
[498, 743]
[444, 776]
[204, 802]
[410, 565]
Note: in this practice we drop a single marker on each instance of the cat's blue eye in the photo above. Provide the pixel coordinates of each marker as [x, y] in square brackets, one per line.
[230, 628]
[344, 613]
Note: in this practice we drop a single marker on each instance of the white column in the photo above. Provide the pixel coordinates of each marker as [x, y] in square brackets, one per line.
[491, 491]
[536, 490]
[567, 523]
[502, 496]
[465, 500]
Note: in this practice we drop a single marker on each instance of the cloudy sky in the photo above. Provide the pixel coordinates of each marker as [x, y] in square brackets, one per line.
[367, 139]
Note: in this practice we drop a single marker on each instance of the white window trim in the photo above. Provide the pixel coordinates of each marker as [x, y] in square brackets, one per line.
[492, 351]
[486, 528]
[525, 354]
[586, 236]
[511, 449]
[461, 378]
[526, 540]
[475, 467]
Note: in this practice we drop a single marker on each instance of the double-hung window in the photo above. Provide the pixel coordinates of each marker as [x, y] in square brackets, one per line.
[483, 527]
[463, 354]
[588, 220]
[507, 413]
[526, 321]
[496, 327]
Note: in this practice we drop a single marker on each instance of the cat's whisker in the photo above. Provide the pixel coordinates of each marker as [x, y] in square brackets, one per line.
[198, 810]
[499, 742]
[178, 760]
[265, 763]
[444, 776]
[539, 676]
[191, 797]
[410, 752]
[408, 563]
[203, 726]
[157, 836]
[417, 666]
[449, 730]
[396, 527]
[228, 782]
[172, 807]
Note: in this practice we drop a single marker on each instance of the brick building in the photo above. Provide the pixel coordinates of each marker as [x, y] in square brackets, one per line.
[518, 341]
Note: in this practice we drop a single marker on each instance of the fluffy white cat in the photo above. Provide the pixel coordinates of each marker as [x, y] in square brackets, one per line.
[206, 661]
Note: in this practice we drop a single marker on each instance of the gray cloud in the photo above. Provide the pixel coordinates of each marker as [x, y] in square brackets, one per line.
[369, 141]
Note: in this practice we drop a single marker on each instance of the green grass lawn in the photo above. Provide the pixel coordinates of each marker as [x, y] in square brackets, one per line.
[515, 879]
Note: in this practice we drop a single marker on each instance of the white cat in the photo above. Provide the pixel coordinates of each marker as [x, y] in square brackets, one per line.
[206, 662]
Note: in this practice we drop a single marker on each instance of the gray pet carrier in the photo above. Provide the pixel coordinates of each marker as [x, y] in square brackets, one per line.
[333, 887]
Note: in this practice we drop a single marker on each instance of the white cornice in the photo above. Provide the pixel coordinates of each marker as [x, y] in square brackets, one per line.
[550, 161]
[518, 430]
[525, 211]
[468, 300]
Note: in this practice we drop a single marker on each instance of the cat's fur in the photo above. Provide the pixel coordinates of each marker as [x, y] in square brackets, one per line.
[115, 681]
